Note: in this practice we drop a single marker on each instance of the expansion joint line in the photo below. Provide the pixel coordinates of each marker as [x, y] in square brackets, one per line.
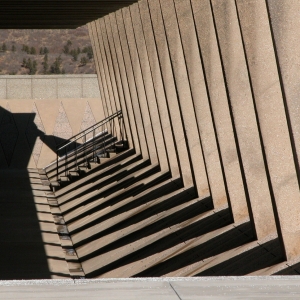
[174, 291]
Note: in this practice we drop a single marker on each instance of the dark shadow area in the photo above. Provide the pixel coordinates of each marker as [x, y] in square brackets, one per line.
[22, 247]
[135, 218]
[128, 187]
[259, 257]
[289, 270]
[139, 201]
[191, 229]
[115, 199]
[93, 173]
[104, 181]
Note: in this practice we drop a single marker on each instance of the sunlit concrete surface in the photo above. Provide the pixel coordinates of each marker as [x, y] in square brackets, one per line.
[276, 287]
[47, 87]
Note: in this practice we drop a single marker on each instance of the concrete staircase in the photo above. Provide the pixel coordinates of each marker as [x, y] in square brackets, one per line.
[125, 217]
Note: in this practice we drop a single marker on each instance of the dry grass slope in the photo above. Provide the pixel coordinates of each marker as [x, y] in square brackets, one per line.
[11, 58]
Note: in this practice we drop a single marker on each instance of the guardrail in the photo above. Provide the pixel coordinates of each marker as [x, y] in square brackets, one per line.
[91, 143]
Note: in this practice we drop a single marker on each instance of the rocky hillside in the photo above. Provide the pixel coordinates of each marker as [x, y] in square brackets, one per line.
[65, 51]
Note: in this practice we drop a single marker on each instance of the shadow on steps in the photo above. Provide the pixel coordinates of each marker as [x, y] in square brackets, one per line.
[100, 202]
[93, 174]
[102, 181]
[162, 243]
[260, 257]
[148, 229]
[130, 205]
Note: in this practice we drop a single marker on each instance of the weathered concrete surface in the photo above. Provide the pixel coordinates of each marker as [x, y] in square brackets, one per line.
[31, 129]
[160, 94]
[284, 22]
[184, 94]
[241, 101]
[275, 132]
[219, 104]
[48, 86]
[143, 98]
[112, 73]
[201, 102]
[95, 46]
[122, 51]
[146, 78]
[278, 287]
[172, 97]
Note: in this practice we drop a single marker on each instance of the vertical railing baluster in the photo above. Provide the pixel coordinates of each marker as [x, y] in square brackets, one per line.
[76, 161]
[57, 164]
[66, 159]
[94, 146]
[108, 129]
[84, 149]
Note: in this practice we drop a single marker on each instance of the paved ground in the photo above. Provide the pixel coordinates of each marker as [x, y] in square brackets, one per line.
[277, 287]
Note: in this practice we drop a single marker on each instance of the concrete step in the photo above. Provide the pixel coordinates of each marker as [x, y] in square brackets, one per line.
[67, 206]
[135, 202]
[110, 165]
[173, 245]
[30, 245]
[97, 264]
[81, 152]
[103, 179]
[71, 161]
[135, 225]
[116, 197]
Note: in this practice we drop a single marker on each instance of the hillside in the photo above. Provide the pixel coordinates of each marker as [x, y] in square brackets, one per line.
[65, 51]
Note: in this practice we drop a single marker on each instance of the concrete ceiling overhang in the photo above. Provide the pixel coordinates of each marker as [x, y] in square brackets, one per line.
[56, 14]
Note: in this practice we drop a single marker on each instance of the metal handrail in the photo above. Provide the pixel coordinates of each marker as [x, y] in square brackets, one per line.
[91, 146]
[88, 130]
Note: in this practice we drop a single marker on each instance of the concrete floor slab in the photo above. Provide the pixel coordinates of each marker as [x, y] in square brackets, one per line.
[277, 287]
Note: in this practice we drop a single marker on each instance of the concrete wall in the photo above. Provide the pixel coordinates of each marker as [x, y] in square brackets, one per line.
[31, 129]
[48, 86]
[209, 90]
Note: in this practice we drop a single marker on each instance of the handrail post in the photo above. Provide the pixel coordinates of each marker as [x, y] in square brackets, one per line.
[66, 159]
[94, 146]
[84, 149]
[90, 148]
[76, 167]
[56, 165]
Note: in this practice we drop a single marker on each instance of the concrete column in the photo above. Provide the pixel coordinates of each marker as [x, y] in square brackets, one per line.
[151, 56]
[115, 77]
[145, 73]
[127, 78]
[122, 81]
[183, 88]
[188, 176]
[220, 109]
[285, 22]
[272, 119]
[105, 81]
[134, 69]
[182, 85]
[95, 45]
[241, 100]
[201, 102]
[100, 71]
[113, 93]
[107, 67]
